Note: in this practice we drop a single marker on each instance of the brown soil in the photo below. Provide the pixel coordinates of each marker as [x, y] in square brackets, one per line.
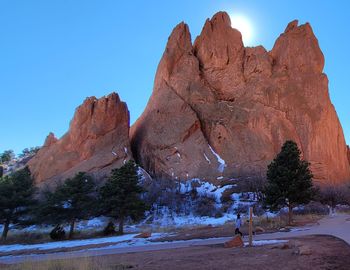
[327, 252]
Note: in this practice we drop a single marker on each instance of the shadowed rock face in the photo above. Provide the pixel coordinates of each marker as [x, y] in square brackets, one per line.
[220, 109]
[97, 141]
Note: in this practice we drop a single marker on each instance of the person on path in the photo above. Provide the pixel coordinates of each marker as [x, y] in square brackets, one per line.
[238, 225]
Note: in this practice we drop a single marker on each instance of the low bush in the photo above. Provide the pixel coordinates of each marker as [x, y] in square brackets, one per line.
[258, 210]
[109, 229]
[242, 208]
[343, 208]
[205, 206]
[227, 195]
[58, 233]
[312, 208]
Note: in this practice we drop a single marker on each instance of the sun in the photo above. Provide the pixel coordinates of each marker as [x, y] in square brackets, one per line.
[243, 25]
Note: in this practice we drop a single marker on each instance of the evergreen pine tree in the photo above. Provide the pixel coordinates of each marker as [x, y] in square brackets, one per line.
[7, 156]
[289, 180]
[70, 202]
[120, 197]
[16, 198]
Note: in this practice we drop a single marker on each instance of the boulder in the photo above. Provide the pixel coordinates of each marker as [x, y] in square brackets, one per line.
[220, 110]
[143, 235]
[97, 142]
[259, 229]
[234, 242]
[304, 250]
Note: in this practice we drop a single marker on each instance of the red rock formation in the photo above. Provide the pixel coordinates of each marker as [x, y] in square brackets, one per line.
[217, 100]
[348, 153]
[96, 142]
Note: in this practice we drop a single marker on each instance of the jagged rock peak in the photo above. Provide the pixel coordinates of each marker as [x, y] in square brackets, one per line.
[50, 139]
[180, 38]
[292, 25]
[297, 49]
[220, 111]
[96, 142]
[220, 18]
[218, 44]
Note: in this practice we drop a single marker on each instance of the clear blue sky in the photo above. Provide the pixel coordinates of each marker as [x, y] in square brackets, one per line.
[55, 53]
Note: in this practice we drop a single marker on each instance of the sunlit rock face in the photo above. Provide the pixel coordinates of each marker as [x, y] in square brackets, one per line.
[97, 141]
[219, 110]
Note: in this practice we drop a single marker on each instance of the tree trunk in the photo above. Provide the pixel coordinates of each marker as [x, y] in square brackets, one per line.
[121, 225]
[290, 213]
[5, 230]
[71, 230]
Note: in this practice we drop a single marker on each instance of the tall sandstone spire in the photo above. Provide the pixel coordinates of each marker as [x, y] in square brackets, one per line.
[221, 110]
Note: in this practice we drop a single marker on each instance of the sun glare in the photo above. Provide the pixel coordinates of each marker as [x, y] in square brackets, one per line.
[242, 24]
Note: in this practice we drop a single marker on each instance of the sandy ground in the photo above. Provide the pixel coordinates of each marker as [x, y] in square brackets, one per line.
[327, 252]
[336, 225]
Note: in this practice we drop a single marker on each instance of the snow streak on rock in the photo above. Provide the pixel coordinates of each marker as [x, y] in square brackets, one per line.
[220, 160]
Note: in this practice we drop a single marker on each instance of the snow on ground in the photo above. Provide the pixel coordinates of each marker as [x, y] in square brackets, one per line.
[266, 242]
[163, 217]
[220, 160]
[205, 189]
[189, 220]
[117, 240]
[114, 242]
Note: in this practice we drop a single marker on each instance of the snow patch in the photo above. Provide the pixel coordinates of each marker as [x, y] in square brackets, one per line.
[128, 238]
[266, 242]
[167, 218]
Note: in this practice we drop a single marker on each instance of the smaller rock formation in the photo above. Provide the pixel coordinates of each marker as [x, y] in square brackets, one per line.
[97, 142]
[143, 235]
[234, 242]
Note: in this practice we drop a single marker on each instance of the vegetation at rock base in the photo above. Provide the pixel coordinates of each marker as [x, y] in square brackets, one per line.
[6, 156]
[120, 197]
[29, 151]
[16, 198]
[289, 180]
[70, 202]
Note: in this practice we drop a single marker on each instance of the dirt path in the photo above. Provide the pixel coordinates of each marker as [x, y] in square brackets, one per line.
[336, 225]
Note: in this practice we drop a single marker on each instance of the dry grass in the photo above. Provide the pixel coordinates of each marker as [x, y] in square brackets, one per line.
[44, 237]
[343, 209]
[87, 263]
[281, 221]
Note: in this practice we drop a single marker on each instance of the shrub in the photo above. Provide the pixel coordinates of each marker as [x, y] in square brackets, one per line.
[58, 233]
[165, 193]
[242, 208]
[258, 209]
[226, 195]
[333, 196]
[109, 229]
[313, 208]
[205, 206]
